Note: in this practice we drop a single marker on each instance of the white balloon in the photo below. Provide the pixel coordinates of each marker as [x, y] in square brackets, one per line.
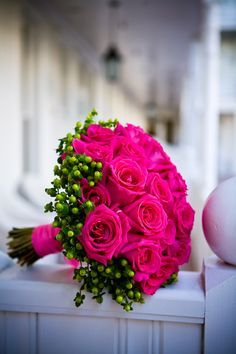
[219, 221]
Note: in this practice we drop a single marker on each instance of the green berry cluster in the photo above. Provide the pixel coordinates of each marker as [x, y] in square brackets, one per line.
[116, 278]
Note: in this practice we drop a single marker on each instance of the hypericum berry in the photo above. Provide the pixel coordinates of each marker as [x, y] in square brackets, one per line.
[59, 207]
[137, 295]
[70, 233]
[59, 236]
[85, 168]
[130, 273]
[70, 255]
[77, 174]
[99, 299]
[76, 187]
[129, 285]
[79, 246]
[99, 165]
[72, 199]
[100, 268]
[89, 204]
[88, 159]
[130, 294]
[82, 272]
[95, 290]
[57, 182]
[79, 226]
[123, 262]
[118, 275]
[75, 210]
[65, 171]
[119, 299]
[127, 307]
[108, 270]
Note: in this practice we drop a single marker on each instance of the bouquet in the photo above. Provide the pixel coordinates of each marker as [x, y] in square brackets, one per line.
[121, 213]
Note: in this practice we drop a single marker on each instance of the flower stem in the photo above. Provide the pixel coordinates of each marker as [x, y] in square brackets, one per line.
[20, 246]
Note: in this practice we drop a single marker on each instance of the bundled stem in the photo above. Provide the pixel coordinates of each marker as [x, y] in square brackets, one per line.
[20, 246]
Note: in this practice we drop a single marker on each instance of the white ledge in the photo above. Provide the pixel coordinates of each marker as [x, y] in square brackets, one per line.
[50, 289]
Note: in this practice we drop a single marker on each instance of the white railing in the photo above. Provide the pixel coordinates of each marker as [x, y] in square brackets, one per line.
[37, 314]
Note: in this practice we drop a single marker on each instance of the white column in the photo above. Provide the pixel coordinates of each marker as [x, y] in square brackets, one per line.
[10, 110]
[46, 141]
[211, 54]
[220, 309]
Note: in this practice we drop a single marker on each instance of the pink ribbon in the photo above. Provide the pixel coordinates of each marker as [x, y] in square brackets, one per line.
[44, 240]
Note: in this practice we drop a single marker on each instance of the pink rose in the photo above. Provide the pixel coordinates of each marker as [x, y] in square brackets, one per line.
[170, 233]
[175, 181]
[143, 256]
[146, 215]
[180, 250]
[98, 134]
[96, 151]
[103, 233]
[156, 186]
[125, 147]
[97, 194]
[125, 179]
[153, 283]
[185, 216]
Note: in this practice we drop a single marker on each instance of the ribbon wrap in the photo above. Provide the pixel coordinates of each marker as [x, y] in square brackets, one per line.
[44, 240]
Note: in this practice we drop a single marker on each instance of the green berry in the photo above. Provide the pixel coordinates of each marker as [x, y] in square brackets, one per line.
[70, 255]
[59, 236]
[129, 285]
[127, 307]
[70, 233]
[130, 273]
[95, 290]
[99, 300]
[85, 168]
[75, 187]
[118, 275]
[99, 165]
[75, 211]
[119, 299]
[130, 294]
[137, 295]
[118, 291]
[100, 268]
[108, 270]
[82, 272]
[77, 174]
[79, 226]
[59, 207]
[57, 182]
[79, 246]
[72, 199]
[123, 262]
[88, 159]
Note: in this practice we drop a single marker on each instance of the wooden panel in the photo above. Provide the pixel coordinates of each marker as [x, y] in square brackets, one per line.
[180, 338]
[20, 336]
[73, 334]
[2, 331]
[139, 337]
[156, 337]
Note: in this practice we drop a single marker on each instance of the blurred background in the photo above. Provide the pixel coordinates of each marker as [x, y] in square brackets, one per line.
[168, 66]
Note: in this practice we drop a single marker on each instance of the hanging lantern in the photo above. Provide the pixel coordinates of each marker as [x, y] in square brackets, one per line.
[112, 61]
